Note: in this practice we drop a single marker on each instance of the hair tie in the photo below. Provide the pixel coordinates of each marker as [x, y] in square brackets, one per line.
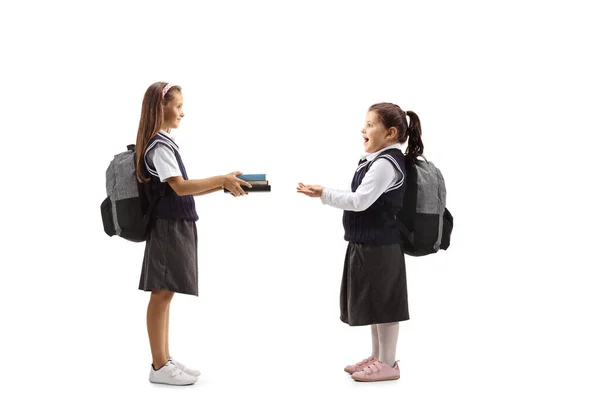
[167, 88]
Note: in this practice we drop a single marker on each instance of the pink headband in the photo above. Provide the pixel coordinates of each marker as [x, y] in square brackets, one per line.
[167, 88]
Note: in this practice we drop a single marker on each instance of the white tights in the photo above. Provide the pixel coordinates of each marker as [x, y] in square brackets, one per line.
[384, 338]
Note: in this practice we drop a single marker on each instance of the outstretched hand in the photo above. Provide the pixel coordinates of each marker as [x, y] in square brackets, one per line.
[310, 190]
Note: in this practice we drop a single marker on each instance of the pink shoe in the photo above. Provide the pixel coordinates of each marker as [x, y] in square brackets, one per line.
[378, 371]
[360, 365]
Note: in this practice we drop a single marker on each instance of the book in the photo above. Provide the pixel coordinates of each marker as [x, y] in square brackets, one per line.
[253, 177]
[254, 188]
[258, 182]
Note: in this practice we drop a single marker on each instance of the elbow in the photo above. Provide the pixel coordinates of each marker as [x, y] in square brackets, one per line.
[357, 206]
[180, 191]
[178, 188]
[361, 203]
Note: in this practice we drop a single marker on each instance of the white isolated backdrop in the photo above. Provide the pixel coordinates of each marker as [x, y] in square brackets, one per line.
[507, 93]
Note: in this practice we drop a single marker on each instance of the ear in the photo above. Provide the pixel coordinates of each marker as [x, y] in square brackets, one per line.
[392, 132]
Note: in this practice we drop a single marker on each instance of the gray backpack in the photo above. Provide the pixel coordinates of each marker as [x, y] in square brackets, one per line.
[126, 211]
[424, 222]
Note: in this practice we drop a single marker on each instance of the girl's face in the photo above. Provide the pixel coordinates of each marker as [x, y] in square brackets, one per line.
[173, 111]
[375, 134]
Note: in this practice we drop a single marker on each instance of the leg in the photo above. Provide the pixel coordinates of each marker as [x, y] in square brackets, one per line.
[167, 352]
[374, 341]
[155, 321]
[388, 339]
[374, 353]
[179, 365]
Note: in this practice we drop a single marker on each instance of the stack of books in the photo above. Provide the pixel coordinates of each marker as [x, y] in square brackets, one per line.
[259, 183]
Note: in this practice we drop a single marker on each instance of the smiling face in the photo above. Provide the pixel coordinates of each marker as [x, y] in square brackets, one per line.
[375, 134]
[173, 111]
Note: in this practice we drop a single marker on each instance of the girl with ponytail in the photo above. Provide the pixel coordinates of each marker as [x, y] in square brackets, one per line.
[373, 290]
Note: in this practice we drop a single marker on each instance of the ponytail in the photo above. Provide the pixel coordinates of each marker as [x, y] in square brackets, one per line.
[415, 144]
[391, 115]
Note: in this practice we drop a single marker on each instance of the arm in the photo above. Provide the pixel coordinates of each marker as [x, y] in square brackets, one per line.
[195, 187]
[377, 180]
[207, 192]
[168, 171]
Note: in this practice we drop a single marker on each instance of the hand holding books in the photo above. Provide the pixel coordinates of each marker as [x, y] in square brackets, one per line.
[233, 184]
[253, 183]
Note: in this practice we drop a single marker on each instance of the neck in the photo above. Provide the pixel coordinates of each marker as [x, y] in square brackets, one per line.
[385, 145]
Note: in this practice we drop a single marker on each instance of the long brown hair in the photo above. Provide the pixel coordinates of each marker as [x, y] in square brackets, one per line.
[151, 119]
[391, 115]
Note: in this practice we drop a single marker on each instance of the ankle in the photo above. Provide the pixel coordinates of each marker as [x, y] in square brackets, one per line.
[387, 362]
[158, 364]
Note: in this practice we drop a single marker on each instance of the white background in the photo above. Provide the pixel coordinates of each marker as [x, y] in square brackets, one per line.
[507, 93]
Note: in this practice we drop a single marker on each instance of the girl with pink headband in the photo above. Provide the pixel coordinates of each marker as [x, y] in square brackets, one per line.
[170, 259]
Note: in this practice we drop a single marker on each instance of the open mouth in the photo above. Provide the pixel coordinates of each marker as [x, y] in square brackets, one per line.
[366, 139]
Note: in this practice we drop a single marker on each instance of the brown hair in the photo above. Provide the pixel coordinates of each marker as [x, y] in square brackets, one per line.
[151, 119]
[391, 115]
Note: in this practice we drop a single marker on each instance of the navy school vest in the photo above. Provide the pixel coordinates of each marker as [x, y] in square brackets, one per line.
[377, 224]
[170, 205]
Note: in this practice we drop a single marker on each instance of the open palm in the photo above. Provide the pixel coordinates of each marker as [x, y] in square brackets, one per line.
[310, 190]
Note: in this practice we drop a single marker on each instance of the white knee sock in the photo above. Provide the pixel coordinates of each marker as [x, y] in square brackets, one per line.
[375, 341]
[388, 339]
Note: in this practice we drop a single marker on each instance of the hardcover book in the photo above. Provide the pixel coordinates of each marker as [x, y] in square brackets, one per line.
[254, 188]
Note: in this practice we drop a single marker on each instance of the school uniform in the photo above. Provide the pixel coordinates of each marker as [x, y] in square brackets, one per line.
[171, 254]
[373, 288]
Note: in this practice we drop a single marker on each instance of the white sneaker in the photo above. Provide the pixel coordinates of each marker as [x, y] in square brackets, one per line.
[169, 374]
[189, 371]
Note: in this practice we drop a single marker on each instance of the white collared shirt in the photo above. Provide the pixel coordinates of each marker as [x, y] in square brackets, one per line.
[379, 178]
[163, 160]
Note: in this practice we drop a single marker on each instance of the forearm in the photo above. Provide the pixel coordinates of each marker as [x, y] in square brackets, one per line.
[347, 200]
[208, 191]
[197, 187]
[378, 179]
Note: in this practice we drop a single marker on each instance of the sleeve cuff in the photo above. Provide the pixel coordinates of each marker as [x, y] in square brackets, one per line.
[325, 195]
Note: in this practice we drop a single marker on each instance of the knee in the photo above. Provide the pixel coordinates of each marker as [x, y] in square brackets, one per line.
[161, 296]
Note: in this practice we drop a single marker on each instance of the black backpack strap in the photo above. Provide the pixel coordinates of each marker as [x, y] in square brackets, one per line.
[154, 202]
[407, 236]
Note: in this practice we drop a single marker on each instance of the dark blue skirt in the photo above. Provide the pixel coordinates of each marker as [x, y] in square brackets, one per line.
[373, 285]
[171, 257]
